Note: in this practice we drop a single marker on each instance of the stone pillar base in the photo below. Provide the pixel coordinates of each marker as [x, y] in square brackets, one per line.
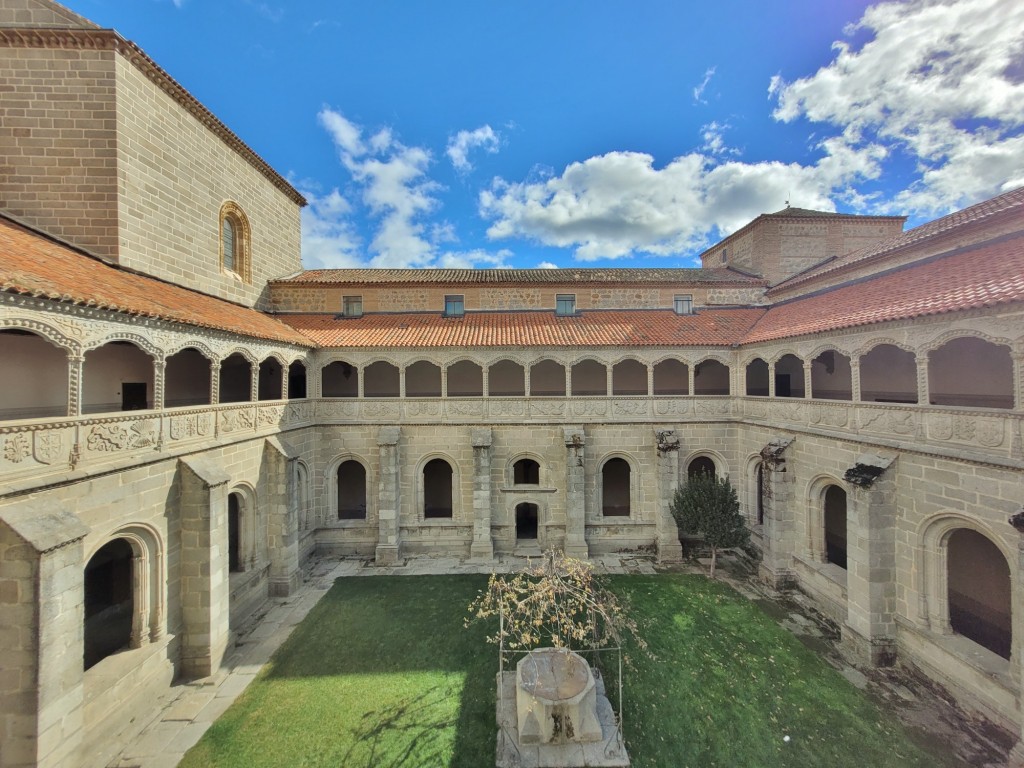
[878, 652]
[387, 554]
[777, 578]
[670, 551]
[283, 586]
[578, 551]
[481, 552]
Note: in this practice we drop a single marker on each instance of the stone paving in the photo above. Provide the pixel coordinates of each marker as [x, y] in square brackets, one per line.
[180, 717]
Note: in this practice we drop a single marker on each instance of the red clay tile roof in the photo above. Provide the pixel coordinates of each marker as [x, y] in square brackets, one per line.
[35, 265]
[599, 328]
[1009, 201]
[975, 277]
[516, 276]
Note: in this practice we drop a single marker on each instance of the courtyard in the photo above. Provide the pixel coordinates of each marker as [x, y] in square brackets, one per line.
[382, 672]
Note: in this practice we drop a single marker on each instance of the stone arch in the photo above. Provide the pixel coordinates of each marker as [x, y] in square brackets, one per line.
[271, 378]
[423, 378]
[630, 377]
[514, 469]
[814, 505]
[339, 378]
[381, 378]
[588, 376]
[754, 493]
[135, 615]
[831, 374]
[438, 494]
[201, 347]
[35, 376]
[788, 369]
[344, 500]
[242, 524]
[717, 376]
[618, 486]
[465, 377]
[116, 378]
[547, 377]
[135, 339]
[755, 373]
[962, 333]
[931, 555]
[670, 376]
[720, 465]
[969, 370]
[297, 379]
[870, 344]
[51, 333]
[510, 378]
[303, 495]
[236, 374]
[888, 374]
[188, 377]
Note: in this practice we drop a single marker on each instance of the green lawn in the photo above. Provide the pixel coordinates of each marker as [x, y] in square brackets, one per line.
[382, 673]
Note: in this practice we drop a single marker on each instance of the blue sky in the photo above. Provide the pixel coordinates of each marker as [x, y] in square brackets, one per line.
[595, 133]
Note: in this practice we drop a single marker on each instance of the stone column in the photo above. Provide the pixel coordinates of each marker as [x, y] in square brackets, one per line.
[254, 382]
[281, 504]
[444, 381]
[42, 599]
[650, 379]
[215, 382]
[526, 380]
[667, 444]
[568, 381]
[159, 371]
[855, 379]
[205, 590]
[388, 497]
[771, 379]
[870, 629]
[691, 377]
[807, 379]
[485, 375]
[780, 536]
[401, 381]
[575, 493]
[1018, 381]
[76, 367]
[921, 361]
[609, 385]
[482, 548]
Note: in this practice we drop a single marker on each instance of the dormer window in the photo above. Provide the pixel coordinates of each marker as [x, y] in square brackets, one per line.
[454, 306]
[234, 242]
[352, 306]
[565, 304]
[683, 304]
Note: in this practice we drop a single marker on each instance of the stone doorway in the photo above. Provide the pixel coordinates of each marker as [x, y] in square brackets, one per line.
[109, 601]
[526, 523]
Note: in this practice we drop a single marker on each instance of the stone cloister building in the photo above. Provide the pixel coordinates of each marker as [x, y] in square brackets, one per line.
[186, 416]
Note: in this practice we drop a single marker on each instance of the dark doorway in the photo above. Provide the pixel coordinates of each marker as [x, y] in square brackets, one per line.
[979, 591]
[437, 489]
[351, 491]
[526, 522]
[835, 526]
[109, 602]
[615, 488]
[701, 465]
[234, 533]
[133, 396]
[296, 381]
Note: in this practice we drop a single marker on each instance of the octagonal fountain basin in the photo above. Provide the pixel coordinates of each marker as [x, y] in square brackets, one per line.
[556, 698]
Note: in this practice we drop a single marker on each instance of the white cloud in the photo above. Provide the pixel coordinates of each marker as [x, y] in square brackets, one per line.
[391, 181]
[461, 143]
[698, 91]
[547, 265]
[940, 83]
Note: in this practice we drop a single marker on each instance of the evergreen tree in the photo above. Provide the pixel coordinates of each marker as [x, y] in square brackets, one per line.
[708, 506]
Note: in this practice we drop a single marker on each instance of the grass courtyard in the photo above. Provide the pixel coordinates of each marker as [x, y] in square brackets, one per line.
[383, 674]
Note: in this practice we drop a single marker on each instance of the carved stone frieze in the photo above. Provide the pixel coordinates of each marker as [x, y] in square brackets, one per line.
[380, 410]
[236, 419]
[423, 408]
[469, 408]
[670, 407]
[17, 447]
[714, 407]
[830, 415]
[887, 420]
[269, 415]
[109, 437]
[590, 408]
[189, 425]
[547, 407]
[630, 407]
[48, 445]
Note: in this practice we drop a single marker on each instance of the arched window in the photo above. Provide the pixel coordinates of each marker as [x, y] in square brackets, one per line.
[339, 379]
[235, 379]
[888, 374]
[423, 379]
[109, 601]
[270, 383]
[979, 591]
[615, 488]
[236, 562]
[506, 378]
[351, 491]
[465, 379]
[671, 377]
[710, 377]
[835, 525]
[629, 377]
[380, 379]
[234, 242]
[187, 379]
[302, 495]
[701, 465]
[759, 489]
[757, 378]
[117, 377]
[789, 376]
[526, 472]
[437, 489]
[547, 379]
[831, 376]
[589, 377]
[33, 376]
[972, 373]
[297, 380]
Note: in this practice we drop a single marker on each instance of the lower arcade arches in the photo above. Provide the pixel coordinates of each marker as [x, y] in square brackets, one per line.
[966, 583]
[123, 594]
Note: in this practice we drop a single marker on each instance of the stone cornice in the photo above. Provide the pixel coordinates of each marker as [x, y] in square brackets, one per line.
[109, 40]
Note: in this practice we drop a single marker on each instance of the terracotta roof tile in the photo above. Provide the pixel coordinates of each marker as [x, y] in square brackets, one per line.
[1012, 200]
[977, 277]
[600, 328]
[33, 264]
[518, 276]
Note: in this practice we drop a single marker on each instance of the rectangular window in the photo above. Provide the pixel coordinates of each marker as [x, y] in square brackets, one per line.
[352, 306]
[454, 306]
[565, 304]
[684, 304]
[725, 255]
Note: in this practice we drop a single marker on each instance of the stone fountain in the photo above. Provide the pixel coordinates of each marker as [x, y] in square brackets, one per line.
[553, 713]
